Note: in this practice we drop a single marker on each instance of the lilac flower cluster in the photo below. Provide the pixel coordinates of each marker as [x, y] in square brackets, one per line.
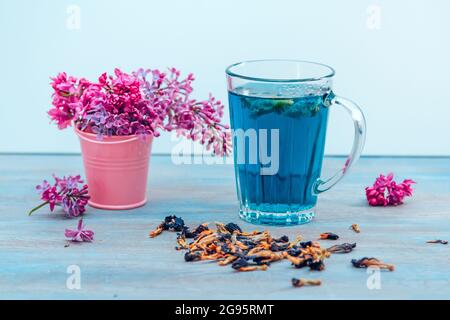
[140, 103]
[67, 192]
[385, 191]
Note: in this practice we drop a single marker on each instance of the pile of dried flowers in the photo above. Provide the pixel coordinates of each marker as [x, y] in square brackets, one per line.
[250, 251]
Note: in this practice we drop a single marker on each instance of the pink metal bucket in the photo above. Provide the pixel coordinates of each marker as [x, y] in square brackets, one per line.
[116, 170]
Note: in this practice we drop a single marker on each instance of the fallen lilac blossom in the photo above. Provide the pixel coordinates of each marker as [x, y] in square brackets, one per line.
[67, 192]
[386, 192]
[80, 234]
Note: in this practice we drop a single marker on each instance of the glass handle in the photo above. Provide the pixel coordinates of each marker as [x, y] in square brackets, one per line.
[358, 143]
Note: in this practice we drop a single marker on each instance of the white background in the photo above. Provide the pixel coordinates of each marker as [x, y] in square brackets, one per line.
[392, 57]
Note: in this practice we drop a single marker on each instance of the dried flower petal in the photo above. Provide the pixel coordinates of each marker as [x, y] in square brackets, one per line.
[371, 262]
[329, 236]
[342, 248]
[355, 228]
[438, 241]
[297, 283]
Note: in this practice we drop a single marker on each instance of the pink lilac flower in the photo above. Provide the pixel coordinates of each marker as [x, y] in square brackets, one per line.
[195, 120]
[385, 191]
[75, 200]
[66, 99]
[51, 196]
[140, 103]
[80, 234]
[67, 192]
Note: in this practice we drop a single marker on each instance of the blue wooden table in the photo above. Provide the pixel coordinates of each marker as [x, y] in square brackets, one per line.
[123, 263]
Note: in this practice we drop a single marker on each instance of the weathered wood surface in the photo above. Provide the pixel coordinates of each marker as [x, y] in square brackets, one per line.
[124, 263]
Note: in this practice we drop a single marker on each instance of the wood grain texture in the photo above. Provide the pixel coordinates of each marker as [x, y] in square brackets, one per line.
[123, 263]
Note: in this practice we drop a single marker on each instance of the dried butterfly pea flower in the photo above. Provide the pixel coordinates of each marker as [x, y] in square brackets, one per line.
[232, 227]
[221, 228]
[296, 241]
[311, 257]
[342, 248]
[297, 250]
[240, 263]
[371, 262]
[316, 265]
[213, 256]
[268, 256]
[248, 242]
[173, 223]
[309, 244]
[226, 248]
[192, 256]
[294, 252]
[241, 245]
[279, 247]
[297, 283]
[259, 261]
[227, 260]
[301, 263]
[283, 239]
[159, 229]
[253, 268]
[329, 236]
[438, 241]
[223, 237]
[182, 244]
[188, 234]
[170, 223]
[256, 249]
[205, 237]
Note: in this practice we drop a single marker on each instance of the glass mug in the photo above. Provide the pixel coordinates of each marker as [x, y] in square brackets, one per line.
[279, 113]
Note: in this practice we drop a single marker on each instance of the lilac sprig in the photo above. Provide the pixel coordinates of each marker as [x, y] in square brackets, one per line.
[67, 192]
[141, 103]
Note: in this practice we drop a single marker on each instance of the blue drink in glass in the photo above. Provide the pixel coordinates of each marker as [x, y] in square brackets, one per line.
[279, 114]
[301, 122]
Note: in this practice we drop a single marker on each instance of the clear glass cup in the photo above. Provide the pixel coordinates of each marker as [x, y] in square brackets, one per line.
[279, 113]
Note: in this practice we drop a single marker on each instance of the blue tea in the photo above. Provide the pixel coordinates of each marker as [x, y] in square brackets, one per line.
[279, 114]
[287, 126]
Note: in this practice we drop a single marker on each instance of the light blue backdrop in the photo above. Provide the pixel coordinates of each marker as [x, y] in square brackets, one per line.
[391, 56]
